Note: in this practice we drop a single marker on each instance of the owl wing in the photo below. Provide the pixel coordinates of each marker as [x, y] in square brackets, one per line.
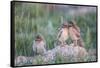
[45, 45]
[45, 48]
[77, 28]
[34, 46]
[59, 34]
[76, 31]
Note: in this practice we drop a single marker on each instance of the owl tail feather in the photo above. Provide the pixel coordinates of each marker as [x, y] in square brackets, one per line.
[81, 43]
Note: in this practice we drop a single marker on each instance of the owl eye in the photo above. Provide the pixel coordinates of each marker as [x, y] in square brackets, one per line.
[70, 25]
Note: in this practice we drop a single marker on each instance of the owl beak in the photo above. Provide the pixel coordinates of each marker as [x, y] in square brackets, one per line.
[38, 40]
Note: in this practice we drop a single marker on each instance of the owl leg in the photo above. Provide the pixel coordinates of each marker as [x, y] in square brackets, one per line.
[62, 43]
[80, 42]
[75, 42]
[65, 43]
[59, 43]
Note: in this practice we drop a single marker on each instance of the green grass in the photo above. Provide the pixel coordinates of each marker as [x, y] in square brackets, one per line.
[33, 19]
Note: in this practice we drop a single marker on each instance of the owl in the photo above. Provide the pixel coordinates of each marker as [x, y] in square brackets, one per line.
[74, 33]
[63, 34]
[39, 45]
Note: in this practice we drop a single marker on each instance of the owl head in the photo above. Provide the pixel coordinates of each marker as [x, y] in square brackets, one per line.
[71, 23]
[65, 25]
[38, 38]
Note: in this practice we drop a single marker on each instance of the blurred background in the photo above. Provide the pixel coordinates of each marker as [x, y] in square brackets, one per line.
[34, 18]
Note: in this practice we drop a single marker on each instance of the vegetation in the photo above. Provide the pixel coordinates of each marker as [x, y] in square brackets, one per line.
[32, 19]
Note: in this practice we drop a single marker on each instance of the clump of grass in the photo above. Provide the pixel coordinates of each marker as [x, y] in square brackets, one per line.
[31, 19]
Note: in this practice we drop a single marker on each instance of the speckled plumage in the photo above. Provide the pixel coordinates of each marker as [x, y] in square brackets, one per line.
[63, 34]
[74, 33]
[39, 46]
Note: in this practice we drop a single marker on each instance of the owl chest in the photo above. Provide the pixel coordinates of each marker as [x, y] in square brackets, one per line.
[72, 33]
[40, 45]
[65, 33]
[40, 49]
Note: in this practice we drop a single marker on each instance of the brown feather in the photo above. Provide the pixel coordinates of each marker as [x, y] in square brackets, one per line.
[76, 32]
[60, 34]
[80, 42]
